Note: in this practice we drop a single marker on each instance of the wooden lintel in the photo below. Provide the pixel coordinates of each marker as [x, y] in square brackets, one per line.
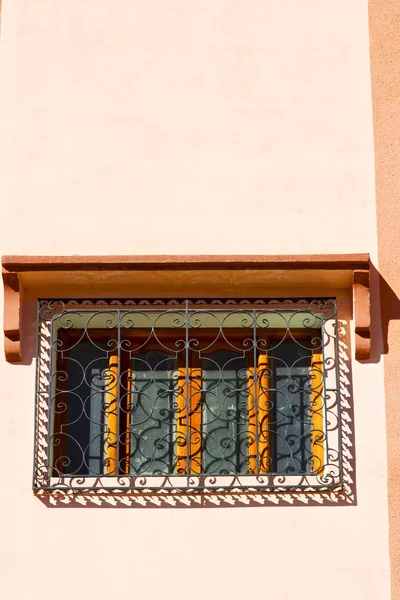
[14, 266]
[184, 262]
[12, 341]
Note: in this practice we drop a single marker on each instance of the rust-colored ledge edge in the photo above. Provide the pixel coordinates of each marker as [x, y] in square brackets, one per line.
[362, 314]
[175, 262]
[13, 265]
[12, 345]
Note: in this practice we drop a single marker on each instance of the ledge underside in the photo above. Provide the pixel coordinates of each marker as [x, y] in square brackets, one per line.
[184, 276]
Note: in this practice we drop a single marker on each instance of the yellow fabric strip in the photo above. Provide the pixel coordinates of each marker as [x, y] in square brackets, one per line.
[188, 422]
[195, 421]
[111, 404]
[317, 415]
[259, 417]
[182, 423]
[252, 423]
[263, 417]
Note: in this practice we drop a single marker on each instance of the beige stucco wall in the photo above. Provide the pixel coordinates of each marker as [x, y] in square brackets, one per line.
[189, 127]
[385, 52]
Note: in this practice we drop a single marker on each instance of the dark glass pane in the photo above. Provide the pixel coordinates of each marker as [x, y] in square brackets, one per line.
[291, 421]
[78, 410]
[153, 413]
[225, 401]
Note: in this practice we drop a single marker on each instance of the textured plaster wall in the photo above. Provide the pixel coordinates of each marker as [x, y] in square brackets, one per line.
[385, 62]
[185, 117]
[189, 127]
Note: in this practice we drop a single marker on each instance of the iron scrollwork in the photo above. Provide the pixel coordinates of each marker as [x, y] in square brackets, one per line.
[189, 395]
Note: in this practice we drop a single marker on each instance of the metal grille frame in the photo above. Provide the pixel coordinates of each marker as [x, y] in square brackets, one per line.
[255, 313]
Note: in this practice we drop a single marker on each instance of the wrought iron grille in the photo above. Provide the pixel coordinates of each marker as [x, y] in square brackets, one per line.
[187, 395]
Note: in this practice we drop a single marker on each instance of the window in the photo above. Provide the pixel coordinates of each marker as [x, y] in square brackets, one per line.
[188, 394]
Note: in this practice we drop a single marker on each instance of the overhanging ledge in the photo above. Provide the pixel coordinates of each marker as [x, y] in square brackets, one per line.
[44, 274]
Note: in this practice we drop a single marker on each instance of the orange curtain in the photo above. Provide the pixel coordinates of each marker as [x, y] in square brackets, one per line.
[259, 416]
[111, 404]
[195, 416]
[317, 415]
[188, 422]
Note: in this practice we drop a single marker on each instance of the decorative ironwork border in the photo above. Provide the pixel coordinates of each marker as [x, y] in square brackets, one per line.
[271, 485]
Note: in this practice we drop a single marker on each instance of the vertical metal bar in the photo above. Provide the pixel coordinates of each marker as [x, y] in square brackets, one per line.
[255, 386]
[118, 391]
[187, 388]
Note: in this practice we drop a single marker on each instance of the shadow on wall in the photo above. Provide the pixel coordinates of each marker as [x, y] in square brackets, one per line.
[385, 307]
